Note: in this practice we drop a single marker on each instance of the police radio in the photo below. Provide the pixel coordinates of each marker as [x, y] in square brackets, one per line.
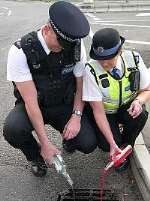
[134, 79]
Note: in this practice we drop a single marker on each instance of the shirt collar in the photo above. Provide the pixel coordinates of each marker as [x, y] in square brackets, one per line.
[42, 41]
[118, 66]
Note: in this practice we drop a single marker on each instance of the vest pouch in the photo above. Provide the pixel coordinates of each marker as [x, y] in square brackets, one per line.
[54, 92]
[134, 79]
[50, 93]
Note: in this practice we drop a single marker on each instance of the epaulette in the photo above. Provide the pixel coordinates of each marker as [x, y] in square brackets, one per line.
[136, 59]
[18, 44]
[92, 71]
[32, 49]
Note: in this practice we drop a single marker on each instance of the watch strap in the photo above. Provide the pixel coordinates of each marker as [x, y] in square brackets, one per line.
[77, 112]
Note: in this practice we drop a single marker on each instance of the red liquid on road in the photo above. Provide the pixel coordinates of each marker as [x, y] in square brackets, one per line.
[103, 174]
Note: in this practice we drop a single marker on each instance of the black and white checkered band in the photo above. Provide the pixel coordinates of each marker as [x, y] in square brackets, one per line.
[61, 34]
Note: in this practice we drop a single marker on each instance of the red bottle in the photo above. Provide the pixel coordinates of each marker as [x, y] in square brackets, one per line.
[120, 158]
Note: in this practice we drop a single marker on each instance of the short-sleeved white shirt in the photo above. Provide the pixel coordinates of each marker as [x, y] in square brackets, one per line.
[91, 91]
[18, 69]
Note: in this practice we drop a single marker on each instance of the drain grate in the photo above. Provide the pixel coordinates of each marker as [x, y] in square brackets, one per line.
[88, 194]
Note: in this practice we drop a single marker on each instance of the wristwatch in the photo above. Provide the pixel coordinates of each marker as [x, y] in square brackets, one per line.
[77, 112]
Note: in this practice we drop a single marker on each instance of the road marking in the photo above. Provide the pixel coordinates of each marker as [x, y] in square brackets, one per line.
[91, 33]
[143, 14]
[9, 13]
[138, 42]
[122, 25]
[127, 41]
[7, 10]
[96, 18]
[126, 20]
[123, 20]
[90, 15]
[79, 4]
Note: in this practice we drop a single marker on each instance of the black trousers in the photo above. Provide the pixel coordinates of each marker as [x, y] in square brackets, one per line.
[131, 127]
[18, 129]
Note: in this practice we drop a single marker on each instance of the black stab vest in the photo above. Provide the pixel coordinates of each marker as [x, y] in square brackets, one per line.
[52, 74]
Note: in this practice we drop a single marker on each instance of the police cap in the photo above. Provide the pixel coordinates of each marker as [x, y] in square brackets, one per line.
[106, 44]
[68, 21]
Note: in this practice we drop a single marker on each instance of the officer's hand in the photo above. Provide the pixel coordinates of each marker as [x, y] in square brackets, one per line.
[114, 151]
[72, 127]
[135, 108]
[48, 152]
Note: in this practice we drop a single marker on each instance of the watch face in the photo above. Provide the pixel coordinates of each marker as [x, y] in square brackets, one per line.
[77, 112]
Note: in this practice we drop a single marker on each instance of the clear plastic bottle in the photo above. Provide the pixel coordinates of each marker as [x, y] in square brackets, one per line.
[61, 168]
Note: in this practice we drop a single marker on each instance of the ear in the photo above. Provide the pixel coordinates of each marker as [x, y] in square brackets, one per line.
[46, 29]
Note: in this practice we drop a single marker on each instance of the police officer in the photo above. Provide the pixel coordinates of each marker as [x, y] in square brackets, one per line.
[43, 66]
[117, 86]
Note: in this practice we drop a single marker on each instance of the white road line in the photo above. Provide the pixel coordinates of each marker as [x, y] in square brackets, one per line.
[78, 4]
[96, 18]
[143, 14]
[91, 33]
[5, 8]
[9, 13]
[138, 42]
[122, 25]
[90, 15]
[124, 20]
[127, 41]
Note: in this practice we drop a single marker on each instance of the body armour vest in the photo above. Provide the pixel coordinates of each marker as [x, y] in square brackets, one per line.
[52, 74]
[116, 92]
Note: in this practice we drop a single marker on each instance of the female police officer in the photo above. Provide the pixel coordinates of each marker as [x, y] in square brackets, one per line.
[117, 85]
[43, 66]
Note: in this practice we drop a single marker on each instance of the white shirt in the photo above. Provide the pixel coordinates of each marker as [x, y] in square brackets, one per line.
[18, 69]
[91, 91]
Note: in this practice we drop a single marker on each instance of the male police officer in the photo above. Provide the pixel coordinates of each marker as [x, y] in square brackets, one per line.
[116, 83]
[43, 66]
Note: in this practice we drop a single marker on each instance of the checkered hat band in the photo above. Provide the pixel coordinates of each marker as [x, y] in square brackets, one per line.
[100, 51]
[61, 34]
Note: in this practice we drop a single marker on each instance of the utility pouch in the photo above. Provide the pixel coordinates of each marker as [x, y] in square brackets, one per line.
[134, 79]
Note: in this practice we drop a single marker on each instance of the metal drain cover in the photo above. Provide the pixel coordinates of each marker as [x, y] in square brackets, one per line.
[88, 194]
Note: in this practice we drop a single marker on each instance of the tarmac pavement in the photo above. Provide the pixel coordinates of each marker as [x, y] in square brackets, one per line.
[18, 184]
